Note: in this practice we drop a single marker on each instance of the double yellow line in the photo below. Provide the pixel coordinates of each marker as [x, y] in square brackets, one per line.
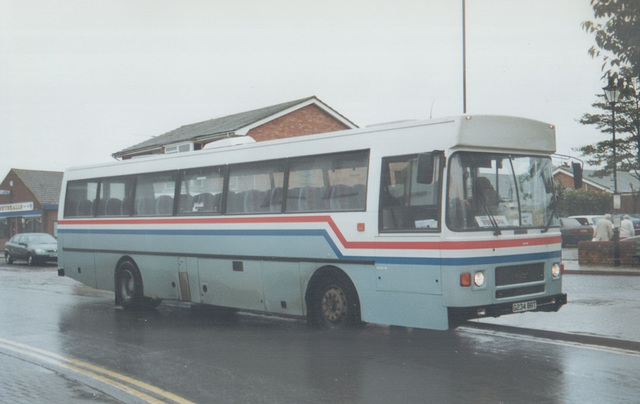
[53, 361]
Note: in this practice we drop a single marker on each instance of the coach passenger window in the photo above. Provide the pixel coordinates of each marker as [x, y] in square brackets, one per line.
[154, 194]
[405, 203]
[331, 182]
[80, 198]
[255, 187]
[115, 197]
[201, 190]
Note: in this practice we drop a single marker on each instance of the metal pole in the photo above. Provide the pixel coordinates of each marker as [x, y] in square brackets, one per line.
[616, 231]
[464, 59]
[615, 171]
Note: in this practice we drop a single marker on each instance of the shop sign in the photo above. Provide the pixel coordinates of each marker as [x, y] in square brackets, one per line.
[16, 207]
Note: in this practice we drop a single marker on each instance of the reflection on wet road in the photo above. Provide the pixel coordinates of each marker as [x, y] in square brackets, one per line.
[255, 358]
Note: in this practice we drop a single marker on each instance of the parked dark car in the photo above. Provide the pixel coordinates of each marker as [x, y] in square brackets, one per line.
[31, 247]
[573, 231]
[636, 223]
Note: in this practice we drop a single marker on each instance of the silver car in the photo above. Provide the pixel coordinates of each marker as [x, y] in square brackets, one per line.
[591, 220]
[31, 247]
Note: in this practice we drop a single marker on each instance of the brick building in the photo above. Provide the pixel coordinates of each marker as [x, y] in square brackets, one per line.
[295, 118]
[29, 202]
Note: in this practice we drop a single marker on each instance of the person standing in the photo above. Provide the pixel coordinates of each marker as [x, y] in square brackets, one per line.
[626, 227]
[604, 229]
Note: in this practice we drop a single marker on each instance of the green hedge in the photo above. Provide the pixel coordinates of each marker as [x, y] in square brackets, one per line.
[583, 203]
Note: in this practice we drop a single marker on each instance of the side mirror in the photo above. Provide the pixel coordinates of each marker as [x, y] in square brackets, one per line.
[577, 175]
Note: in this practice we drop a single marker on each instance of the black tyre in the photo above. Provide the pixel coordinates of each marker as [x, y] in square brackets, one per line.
[128, 281]
[8, 258]
[335, 302]
[30, 260]
[129, 289]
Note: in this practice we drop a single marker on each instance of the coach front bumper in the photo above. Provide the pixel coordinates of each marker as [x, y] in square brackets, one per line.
[546, 303]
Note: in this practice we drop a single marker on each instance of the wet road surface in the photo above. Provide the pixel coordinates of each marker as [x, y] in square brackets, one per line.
[197, 357]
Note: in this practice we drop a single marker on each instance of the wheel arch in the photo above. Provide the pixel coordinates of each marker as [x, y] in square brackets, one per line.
[125, 258]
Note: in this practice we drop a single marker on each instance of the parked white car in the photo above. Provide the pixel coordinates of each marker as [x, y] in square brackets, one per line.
[591, 220]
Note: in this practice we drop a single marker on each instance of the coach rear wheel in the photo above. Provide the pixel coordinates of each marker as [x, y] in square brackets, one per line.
[129, 290]
[128, 282]
[128, 285]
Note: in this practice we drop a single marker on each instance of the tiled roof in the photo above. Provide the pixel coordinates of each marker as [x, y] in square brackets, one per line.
[627, 183]
[45, 185]
[212, 127]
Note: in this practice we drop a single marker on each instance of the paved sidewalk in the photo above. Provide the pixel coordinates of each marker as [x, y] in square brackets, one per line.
[25, 382]
[606, 305]
[574, 268]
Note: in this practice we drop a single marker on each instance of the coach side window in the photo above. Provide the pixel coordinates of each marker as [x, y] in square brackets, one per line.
[255, 187]
[154, 194]
[80, 199]
[115, 197]
[333, 182]
[201, 190]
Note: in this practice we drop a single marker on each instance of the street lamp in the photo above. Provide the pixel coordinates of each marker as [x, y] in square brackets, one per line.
[612, 95]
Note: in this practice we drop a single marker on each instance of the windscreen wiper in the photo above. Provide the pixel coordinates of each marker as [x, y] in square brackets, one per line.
[492, 219]
[554, 208]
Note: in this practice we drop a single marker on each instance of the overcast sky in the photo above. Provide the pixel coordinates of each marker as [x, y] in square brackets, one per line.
[80, 79]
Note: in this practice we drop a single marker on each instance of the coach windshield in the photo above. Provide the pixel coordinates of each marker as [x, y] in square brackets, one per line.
[489, 191]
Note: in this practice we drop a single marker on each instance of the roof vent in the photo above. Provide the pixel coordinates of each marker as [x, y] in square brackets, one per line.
[229, 141]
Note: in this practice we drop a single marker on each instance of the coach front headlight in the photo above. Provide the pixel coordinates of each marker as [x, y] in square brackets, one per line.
[556, 270]
[479, 278]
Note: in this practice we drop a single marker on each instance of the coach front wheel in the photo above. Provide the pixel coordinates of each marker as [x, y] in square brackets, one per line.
[335, 303]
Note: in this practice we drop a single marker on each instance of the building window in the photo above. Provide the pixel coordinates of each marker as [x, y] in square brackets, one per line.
[178, 148]
[32, 225]
[4, 228]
